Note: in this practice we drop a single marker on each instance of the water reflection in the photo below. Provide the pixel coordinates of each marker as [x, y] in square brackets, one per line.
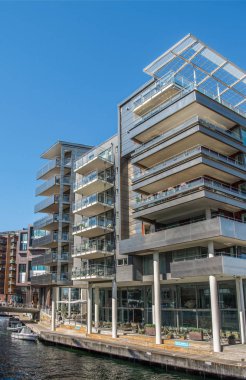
[22, 360]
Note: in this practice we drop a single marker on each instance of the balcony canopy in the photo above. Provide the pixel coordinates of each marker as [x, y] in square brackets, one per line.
[208, 70]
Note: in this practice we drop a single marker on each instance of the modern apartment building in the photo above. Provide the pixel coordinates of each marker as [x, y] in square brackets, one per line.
[183, 193]
[24, 268]
[8, 246]
[57, 176]
[95, 225]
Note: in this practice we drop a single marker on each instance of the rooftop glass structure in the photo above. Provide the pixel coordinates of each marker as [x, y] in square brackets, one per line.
[209, 71]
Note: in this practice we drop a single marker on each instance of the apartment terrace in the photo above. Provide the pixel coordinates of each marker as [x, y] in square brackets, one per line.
[93, 226]
[96, 159]
[94, 249]
[95, 272]
[51, 204]
[50, 278]
[52, 168]
[50, 222]
[51, 240]
[93, 182]
[94, 204]
[52, 186]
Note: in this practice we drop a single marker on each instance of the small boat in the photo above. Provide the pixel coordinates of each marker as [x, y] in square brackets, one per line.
[25, 334]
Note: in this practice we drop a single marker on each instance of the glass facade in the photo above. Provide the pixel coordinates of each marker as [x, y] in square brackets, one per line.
[183, 305]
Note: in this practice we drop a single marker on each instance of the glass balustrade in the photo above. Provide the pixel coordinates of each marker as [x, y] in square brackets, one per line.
[96, 153]
[93, 245]
[92, 177]
[184, 187]
[91, 199]
[187, 154]
[92, 222]
[93, 270]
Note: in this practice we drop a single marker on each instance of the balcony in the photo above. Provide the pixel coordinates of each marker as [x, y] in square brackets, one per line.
[195, 162]
[189, 154]
[51, 240]
[162, 90]
[52, 186]
[203, 267]
[51, 204]
[50, 222]
[49, 279]
[94, 160]
[94, 204]
[94, 226]
[52, 168]
[229, 137]
[51, 258]
[94, 249]
[223, 231]
[94, 182]
[95, 272]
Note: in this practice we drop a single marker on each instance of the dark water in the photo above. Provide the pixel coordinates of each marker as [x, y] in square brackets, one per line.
[22, 360]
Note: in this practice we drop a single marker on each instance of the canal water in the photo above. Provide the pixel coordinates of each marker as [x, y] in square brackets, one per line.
[23, 360]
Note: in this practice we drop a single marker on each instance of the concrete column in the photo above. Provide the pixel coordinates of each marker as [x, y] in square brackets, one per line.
[53, 310]
[96, 307]
[241, 309]
[114, 309]
[69, 303]
[215, 312]
[89, 309]
[153, 305]
[157, 297]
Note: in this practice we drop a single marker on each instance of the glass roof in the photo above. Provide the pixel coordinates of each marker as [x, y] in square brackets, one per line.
[207, 69]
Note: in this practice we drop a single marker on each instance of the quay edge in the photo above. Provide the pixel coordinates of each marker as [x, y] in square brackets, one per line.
[188, 362]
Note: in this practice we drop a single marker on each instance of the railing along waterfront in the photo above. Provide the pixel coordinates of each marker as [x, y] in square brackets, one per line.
[92, 246]
[92, 199]
[184, 126]
[93, 270]
[105, 155]
[92, 222]
[92, 177]
[187, 154]
[50, 219]
[50, 200]
[184, 187]
[189, 87]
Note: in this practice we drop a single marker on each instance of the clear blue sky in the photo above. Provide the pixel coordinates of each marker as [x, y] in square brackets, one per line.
[65, 65]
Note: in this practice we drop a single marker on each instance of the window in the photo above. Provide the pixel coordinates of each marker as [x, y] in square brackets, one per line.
[121, 262]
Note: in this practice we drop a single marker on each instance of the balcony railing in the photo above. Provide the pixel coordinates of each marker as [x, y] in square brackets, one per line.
[51, 200]
[179, 158]
[49, 278]
[55, 181]
[92, 222]
[51, 165]
[182, 127]
[49, 238]
[105, 155]
[93, 245]
[188, 87]
[39, 224]
[92, 177]
[185, 187]
[94, 270]
[92, 199]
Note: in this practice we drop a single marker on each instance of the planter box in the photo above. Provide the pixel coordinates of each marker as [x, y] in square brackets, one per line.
[196, 335]
[149, 331]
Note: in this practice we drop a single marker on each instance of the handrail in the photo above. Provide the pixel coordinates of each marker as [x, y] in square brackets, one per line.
[93, 270]
[91, 222]
[91, 177]
[91, 199]
[105, 154]
[94, 245]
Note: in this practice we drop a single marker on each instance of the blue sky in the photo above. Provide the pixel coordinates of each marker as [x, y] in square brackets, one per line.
[66, 65]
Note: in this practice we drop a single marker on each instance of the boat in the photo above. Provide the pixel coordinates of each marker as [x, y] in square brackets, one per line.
[14, 324]
[25, 334]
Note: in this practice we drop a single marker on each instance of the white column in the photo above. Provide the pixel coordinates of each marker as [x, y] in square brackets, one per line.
[89, 309]
[241, 309]
[53, 310]
[114, 309]
[69, 302]
[215, 312]
[157, 297]
[153, 305]
[96, 307]
[208, 213]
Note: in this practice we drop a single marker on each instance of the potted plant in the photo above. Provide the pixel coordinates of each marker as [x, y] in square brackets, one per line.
[149, 329]
[231, 339]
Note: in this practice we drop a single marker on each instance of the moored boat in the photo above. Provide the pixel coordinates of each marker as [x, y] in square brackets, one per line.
[25, 334]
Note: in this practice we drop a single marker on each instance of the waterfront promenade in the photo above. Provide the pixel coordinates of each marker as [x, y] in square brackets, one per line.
[186, 355]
